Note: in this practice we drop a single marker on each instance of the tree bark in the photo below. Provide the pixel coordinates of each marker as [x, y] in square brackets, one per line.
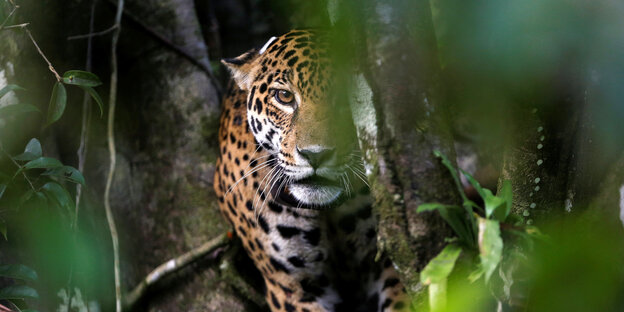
[400, 122]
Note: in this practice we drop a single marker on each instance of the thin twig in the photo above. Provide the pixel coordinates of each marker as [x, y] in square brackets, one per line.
[112, 153]
[82, 149]
[86, 116]
[58, 78]
[93, 34]
[172, 266]
[8, 17]
[23, 25]
[19, 168]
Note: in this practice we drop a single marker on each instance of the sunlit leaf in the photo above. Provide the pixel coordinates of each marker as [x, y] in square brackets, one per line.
[492, 203]
[8, 88]
[18, 292]
[68, 173]
[57, 103]
[18, 271]
[15, 109]
[96, 97]
[437, 296]
[439, 268]
[430, 207]
[81, 78]
[43, 163]
[490, 245]
[475, 275]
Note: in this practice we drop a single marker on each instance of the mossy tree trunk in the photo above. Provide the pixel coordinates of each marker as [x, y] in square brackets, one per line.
[401, 121]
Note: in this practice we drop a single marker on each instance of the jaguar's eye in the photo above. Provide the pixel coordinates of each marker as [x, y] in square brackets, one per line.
[284, 97]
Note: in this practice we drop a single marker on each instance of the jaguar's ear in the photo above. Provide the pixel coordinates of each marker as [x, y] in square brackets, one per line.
[242, 68]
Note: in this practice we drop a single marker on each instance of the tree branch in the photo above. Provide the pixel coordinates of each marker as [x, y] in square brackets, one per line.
[171, 266]
[93, 34]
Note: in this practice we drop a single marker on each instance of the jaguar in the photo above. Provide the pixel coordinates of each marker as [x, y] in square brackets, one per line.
[291, 182]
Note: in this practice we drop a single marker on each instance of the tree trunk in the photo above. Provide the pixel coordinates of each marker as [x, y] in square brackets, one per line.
[400, 122]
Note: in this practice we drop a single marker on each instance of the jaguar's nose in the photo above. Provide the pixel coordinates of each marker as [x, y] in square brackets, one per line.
[317, 155]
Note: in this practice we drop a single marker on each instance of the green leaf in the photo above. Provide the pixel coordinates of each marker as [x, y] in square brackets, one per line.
[32, 151]
[96, 97]
[473, 182]
[2, 189]
[43, 163]
[506, 193]
[492, 203]
[475, 275]
[39, 200]
[25, 157]
[437, 296]
[447, 163]
[8, 88]
[25, 197]
[18, 271]
[467, 204]
[18, 292]
[3, 229]
[430, 207]
[57, 103]
[58, 195]
[81, 78]
[33, 147]
[15, 109]
[439, 268]
[68, 173]
[490, 245]
[455, 217]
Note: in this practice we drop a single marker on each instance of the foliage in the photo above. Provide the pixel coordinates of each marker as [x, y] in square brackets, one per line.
[479, 233]
[35, 180]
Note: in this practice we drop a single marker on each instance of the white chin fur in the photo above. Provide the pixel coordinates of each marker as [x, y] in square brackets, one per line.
[314, 195]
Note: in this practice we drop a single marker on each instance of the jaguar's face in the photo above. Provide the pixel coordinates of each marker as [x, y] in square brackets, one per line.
[309, 137]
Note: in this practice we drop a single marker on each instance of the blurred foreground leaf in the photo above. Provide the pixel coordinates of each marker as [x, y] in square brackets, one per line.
[16, 109]
[490, 245]
[18, 292]
[18, 271]
[439, 268]
[8, 88]
[59, 195]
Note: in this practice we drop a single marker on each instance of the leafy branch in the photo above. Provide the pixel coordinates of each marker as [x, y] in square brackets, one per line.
[479, 232]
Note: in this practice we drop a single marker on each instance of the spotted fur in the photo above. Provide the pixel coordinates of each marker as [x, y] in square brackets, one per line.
[290, 181]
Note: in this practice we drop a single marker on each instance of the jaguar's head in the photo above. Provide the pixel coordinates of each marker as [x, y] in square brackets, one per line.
[297, 116]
